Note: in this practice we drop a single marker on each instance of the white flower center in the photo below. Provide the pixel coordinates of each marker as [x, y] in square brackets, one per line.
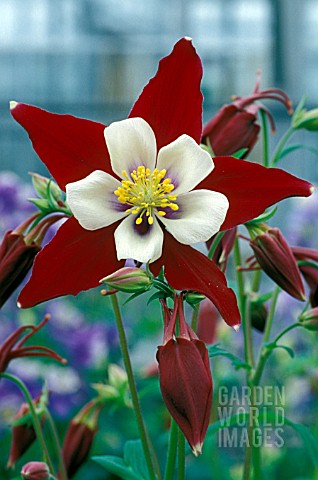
[146, 193]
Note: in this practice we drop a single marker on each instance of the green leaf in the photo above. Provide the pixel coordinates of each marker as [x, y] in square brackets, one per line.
[216, 350]
[264, 217]
[310, 442]
[293, 148]
[155, 296]
[272, 346]
[132, 467]
[240, 153]
[117, 466]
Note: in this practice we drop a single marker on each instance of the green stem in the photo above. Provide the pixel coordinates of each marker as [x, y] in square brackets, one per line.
[181, 455]
[58, 449]
[271, 314]
[246, 325]
[194, 319]
[35, 418]
[256, 280]
[264, 354]
[281, 146]
[172, 451]
[264, 128]
[133, 389]
[286, 330]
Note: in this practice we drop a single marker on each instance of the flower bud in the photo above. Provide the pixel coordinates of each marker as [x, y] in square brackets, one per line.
[16, 259]
[46, 187]
[207, 322]
[185, 376]
[309, 319]
[277, 260]
[129, 280]
[307, 119]
[79, 437]
[309, 272]
[23, 433]
[35, 471]
[186, 387]
[258, 315]
[235, 126]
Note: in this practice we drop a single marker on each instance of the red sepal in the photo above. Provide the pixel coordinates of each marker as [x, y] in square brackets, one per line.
[172, 101]
[251, 188]
[70, 147]
[188, 269]
[74, 260]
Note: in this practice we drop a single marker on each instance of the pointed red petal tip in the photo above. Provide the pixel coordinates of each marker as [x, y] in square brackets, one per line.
[13, 104]
[197, 449]
[236, 327]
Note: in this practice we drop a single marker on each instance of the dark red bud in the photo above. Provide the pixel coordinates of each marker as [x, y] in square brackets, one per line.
[186, 387]
[207, 321]
[16, 259]
[277, 260]
[22, 435]
[77, 443]
[310, 273]
[230, 130]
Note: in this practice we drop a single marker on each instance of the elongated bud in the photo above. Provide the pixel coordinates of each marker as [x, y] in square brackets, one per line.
[185, 377]
[16, 259]
[79, 437]
[23, 433]
[277, 260]
[309, 319]
[235, 126]
[35, 471]
[308, 271]
[46, 187]
[129, 280]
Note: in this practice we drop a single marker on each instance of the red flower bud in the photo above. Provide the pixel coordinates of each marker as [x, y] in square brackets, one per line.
[35, 471]
[79, 437]
[23, 434]
[207, 321]
[185, 378]
[309, 320]
[16, 259]
[235, 126]
[277, 260]
[310, 273]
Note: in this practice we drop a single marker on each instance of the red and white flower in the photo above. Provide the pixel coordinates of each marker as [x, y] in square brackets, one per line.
[163, 131]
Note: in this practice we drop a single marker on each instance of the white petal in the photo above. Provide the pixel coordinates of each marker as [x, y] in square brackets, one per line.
[200, 215]
[93, 202]
[141, 247]
[186, 163]
[131, 143]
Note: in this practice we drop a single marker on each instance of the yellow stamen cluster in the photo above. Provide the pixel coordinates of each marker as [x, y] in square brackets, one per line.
[146, 192]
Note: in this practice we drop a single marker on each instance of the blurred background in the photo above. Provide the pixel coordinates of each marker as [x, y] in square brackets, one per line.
[91, 58]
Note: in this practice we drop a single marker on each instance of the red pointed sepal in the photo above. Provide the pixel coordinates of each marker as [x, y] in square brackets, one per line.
[251, 188]
[172, 101]
[188, 269]
[74, 260]
[70, 147]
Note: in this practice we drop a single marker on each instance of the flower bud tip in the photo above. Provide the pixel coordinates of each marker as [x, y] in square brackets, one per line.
[197, 449]
[13, 104]
[312, 189]
[188, 38]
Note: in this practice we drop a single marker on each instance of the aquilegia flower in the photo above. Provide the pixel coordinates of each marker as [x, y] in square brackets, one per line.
[145, 191]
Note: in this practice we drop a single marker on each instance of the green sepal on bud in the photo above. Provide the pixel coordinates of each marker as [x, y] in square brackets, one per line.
[309, 319]
[116, 389]
[307, 119]
[44, 185]
[193, 298]
[129, 280]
